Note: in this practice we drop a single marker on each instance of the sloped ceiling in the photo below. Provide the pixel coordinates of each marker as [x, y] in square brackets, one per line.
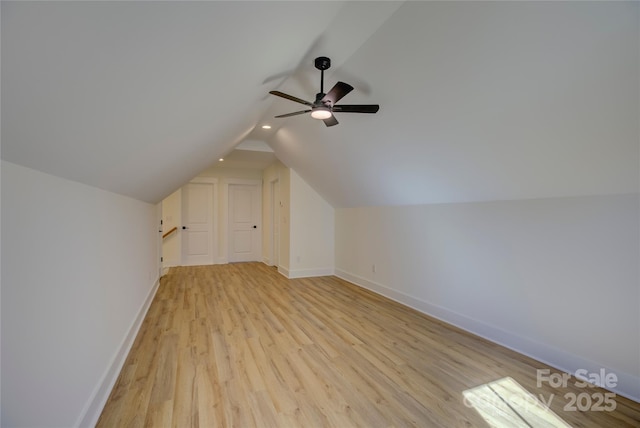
[479, 100]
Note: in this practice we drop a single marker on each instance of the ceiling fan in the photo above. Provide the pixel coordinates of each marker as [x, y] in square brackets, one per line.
[325, 104]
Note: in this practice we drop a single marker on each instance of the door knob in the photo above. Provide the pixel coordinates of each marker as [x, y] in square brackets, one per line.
[184, 228]
[255, 227]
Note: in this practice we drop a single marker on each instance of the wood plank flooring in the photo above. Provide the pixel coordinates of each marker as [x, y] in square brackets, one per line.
[239, 345]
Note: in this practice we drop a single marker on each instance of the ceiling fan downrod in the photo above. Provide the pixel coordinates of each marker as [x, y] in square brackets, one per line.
[322, 63]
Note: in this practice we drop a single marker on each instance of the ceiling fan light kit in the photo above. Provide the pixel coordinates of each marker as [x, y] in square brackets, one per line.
[325, 104]
[321, 113]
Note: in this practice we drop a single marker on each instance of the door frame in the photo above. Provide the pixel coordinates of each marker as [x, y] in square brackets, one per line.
[226, 230]
[160, 222]
[214, 211]
[276, 206]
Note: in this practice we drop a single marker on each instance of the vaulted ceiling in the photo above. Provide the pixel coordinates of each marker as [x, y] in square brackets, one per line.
[479, 100]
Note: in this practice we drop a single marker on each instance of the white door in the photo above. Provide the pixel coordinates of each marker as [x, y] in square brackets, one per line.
[245, 213]
[275, 223]
[197, 223]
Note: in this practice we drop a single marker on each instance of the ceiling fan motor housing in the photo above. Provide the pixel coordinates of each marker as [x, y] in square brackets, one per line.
[319, 97]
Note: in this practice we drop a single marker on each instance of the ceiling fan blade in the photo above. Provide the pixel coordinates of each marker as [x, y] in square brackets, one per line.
[291, 97]
[331, 121]
[295, 113]
[356, 108]
[339, 90]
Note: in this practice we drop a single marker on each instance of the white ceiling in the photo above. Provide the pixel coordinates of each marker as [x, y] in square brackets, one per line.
[479, 100]
[249, 154]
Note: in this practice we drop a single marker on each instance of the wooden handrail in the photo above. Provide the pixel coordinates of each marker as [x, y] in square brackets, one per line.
[173, 229]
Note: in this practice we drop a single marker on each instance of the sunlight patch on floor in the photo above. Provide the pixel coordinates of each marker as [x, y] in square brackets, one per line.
[505, 403]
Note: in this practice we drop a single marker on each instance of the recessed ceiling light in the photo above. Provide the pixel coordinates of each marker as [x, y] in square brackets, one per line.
[266, 126]
[221, 160]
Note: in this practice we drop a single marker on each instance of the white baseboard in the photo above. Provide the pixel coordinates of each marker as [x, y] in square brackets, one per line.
[283, 271]
[628, 385]
[305, 273]
[92, 410]
[170, 263]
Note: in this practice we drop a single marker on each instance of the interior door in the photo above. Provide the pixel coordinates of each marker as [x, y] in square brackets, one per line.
[197, 224]
[245, 213]
[275, 223]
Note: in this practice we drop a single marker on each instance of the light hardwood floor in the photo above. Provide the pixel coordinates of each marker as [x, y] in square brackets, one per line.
[240, 346]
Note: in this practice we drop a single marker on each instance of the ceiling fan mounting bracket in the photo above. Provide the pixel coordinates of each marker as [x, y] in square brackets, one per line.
[322, 63]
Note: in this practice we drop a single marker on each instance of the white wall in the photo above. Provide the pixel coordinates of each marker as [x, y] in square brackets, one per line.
[79, 266]
[284, 188]
[222, 173]
[306, 225]
[312, 242]
[276, 172]
[553, 278]
[172, 217]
